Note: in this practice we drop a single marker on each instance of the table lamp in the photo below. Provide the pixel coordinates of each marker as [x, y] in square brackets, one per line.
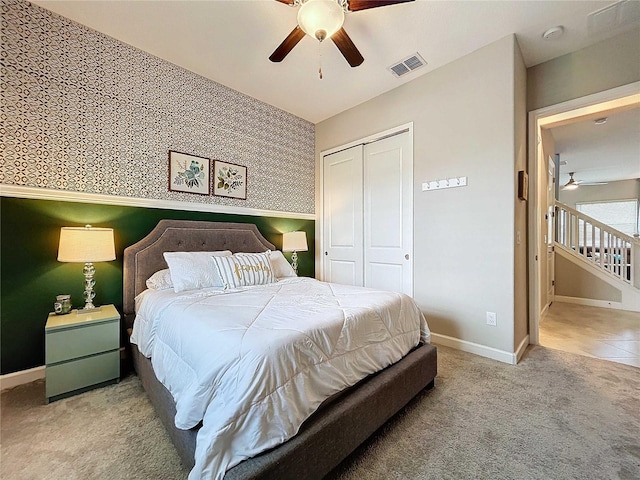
[294, 242]
[86, 245]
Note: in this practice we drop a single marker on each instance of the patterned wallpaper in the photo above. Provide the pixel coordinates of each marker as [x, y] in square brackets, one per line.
[87, 113]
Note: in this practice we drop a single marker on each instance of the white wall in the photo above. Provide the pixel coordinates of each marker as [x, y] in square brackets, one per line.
[463, 117]
[521, 293]
[599, 67]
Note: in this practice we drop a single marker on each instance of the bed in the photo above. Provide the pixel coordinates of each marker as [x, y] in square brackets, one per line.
[341, 423]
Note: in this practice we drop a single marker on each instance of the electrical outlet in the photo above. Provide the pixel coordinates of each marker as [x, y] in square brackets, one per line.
[492, 319]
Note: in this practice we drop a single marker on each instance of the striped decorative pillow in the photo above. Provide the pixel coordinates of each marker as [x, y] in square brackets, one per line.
[245, 269]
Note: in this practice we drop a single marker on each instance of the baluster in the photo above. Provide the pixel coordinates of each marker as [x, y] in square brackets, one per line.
[594, 243]
[601, 249]
[574, 231]
[584, 239]
[633, 259]
[627, 267]
[606, 252]
[616, 255]
[563, 226]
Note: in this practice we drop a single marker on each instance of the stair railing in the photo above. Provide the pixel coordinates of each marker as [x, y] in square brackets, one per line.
[602, 246]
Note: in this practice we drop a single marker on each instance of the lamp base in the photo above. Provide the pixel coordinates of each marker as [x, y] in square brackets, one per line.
[89, 271]
[294, 262]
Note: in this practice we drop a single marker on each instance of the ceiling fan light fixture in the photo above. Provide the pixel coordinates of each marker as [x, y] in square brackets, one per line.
[320, 18]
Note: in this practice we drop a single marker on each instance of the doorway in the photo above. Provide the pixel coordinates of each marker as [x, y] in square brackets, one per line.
[592, 106]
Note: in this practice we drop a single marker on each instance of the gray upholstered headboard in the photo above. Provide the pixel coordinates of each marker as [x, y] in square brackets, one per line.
[144, 258]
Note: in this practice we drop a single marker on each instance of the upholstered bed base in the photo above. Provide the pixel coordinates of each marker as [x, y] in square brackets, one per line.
[326, 438]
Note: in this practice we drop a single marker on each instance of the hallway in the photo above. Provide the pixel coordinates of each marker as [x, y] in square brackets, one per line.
[604, 333]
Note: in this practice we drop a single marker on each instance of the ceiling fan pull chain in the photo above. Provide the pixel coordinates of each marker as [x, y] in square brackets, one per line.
[320, 60]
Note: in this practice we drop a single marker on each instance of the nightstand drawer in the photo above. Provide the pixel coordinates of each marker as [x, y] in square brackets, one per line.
[81, 341]
[69, 376]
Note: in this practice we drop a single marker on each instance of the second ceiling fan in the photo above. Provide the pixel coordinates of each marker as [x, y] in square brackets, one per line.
[324, 18]
[573, 184]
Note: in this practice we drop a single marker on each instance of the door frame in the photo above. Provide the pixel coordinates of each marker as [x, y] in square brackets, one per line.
[406, 127]
[552, 172]
[556, 115]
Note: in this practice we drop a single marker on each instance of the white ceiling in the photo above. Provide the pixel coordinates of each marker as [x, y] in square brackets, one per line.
[230, 41]
[600, 153]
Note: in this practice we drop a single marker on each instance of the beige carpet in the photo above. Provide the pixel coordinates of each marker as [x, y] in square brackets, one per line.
[554, 416]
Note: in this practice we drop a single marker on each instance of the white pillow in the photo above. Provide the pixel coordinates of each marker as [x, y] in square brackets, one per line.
[160, 280]
[194, 270]
[245, 269]
[281, 268]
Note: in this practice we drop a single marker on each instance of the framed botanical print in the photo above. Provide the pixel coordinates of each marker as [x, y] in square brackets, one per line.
[229, 180]
[189, 173]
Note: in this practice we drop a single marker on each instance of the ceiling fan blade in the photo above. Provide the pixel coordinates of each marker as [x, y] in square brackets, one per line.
[355, 5]
[287, 45]
[347, 48]
[288, 2]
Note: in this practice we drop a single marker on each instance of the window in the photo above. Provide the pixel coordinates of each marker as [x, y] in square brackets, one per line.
[619, 214]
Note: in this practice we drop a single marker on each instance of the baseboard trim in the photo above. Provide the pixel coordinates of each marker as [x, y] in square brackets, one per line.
[522, 348]
[476, 348]
[14, 379]
[544, 310]
[589, 302]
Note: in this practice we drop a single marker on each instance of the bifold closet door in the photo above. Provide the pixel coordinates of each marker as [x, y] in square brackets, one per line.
[342, 217]
[388, 214]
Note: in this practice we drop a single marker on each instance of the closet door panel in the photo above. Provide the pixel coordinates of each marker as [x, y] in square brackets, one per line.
[342, 217]
[388, 214]
[340, 271]
[383, 199]
[385, 276]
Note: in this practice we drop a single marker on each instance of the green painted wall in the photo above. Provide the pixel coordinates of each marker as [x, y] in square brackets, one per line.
[31, 276]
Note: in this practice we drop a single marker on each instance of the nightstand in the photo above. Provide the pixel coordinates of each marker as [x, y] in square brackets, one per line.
[82, 351]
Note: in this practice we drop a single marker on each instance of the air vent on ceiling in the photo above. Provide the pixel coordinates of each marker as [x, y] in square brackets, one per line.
[407, 65]
[613, 16]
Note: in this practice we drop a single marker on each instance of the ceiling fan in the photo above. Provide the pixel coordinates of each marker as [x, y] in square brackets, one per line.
[323, 19]
[573, 184]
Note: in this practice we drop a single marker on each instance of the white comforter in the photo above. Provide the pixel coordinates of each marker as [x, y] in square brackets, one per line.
[253, 363]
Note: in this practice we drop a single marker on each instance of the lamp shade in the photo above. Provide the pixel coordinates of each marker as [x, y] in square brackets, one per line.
[86, 245]
[294, 242]
[320, 18]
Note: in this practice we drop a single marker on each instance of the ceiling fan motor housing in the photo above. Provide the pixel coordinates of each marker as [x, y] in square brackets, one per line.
[320, 18]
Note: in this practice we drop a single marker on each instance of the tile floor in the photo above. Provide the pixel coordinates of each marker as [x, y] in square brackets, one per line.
[594, 332]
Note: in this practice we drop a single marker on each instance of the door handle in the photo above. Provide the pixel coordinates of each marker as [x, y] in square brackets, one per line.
[406, 256]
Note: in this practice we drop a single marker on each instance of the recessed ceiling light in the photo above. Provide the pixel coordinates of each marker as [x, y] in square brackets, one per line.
[600, 121]
[553, 33]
